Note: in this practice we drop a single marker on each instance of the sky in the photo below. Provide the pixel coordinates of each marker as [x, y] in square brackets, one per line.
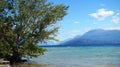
[85, 15]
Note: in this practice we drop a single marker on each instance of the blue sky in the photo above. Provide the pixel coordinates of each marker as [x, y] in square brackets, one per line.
[85, 15]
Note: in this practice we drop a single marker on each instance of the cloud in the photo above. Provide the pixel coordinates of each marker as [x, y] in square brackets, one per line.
[73, 33]
[118, 14]
[101, 14]
[69, 34]
[76, 22]
[116, 18]
[111, 28]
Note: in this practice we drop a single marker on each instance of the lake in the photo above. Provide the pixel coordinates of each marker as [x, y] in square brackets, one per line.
[106, 56]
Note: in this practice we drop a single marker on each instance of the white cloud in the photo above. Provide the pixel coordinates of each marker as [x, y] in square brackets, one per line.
[73, 33]
[101, 14]
[118, 14]
[76, 22]
[111, 28]
[69, 35]
[115, 19]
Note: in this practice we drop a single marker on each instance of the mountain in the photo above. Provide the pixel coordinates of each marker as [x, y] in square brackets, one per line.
[96, 37]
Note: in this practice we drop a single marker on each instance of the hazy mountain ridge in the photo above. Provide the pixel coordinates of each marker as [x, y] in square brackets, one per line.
[100, 35]
[96, 37]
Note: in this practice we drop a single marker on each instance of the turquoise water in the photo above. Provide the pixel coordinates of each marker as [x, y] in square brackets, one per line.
[80, 57]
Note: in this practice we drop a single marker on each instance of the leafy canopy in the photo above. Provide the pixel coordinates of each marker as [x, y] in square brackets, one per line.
[24, 23]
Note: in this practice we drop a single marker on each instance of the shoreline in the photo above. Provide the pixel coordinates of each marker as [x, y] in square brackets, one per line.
[62, 65]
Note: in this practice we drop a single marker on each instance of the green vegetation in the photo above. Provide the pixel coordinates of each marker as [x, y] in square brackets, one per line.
[24, 23]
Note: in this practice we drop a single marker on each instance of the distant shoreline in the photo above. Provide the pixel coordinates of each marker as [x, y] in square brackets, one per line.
[81, 46]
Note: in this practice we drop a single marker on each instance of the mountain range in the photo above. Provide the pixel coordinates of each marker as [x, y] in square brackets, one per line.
[98, 37]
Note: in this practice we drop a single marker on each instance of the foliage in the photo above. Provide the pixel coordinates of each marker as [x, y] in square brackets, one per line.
[24, 23]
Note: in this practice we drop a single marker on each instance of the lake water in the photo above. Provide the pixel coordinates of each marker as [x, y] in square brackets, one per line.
[80, 57]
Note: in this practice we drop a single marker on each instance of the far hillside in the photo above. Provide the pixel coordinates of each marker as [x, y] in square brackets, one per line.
[98, 37]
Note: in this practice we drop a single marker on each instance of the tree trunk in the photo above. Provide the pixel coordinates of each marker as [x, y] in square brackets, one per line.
[15, 58]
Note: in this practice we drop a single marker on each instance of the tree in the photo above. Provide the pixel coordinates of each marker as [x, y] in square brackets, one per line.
[24, 23]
